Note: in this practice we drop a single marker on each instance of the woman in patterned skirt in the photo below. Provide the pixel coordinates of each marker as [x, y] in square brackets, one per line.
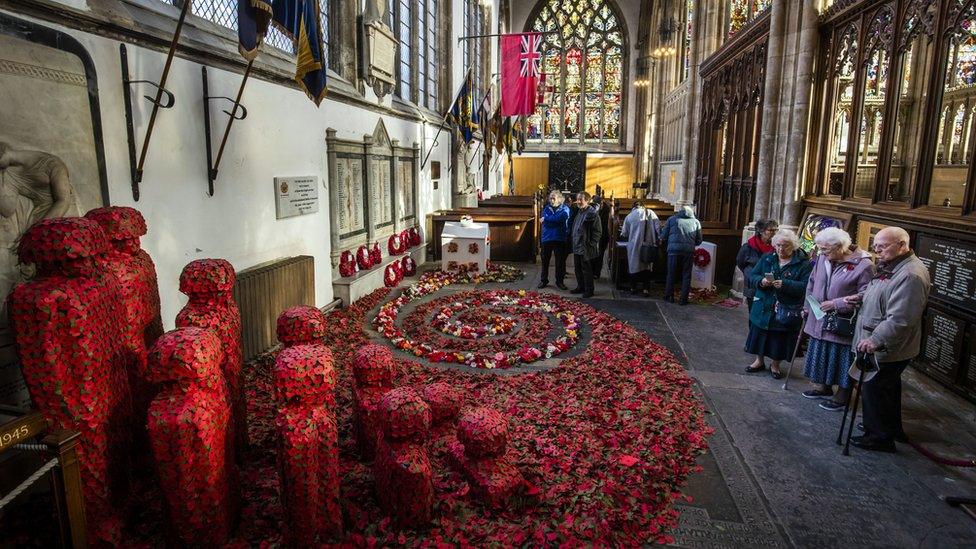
[841, 270]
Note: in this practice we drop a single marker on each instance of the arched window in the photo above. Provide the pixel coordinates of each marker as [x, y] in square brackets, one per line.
[584, 55]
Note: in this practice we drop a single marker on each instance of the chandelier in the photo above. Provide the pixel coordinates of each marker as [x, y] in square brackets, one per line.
[665, 33]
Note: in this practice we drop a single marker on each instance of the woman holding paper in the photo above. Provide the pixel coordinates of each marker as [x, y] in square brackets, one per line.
[841, 270]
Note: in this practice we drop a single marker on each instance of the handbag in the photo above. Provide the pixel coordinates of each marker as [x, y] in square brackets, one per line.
[789, 316]
[839, 324]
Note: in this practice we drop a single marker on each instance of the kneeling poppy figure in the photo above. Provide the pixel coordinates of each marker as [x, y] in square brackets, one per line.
[445, 404]
[190, 434]
[373, 371]
[484, 434]
[404, 477]
[308, 445]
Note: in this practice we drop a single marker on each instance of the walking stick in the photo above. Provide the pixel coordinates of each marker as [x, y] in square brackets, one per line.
[796, 351]
[861, 360]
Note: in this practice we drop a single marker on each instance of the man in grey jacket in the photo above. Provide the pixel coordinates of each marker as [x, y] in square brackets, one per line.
[681, 234]
[889, 325]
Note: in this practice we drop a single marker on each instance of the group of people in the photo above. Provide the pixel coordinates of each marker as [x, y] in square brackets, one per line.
[848, 307]
[583, 230]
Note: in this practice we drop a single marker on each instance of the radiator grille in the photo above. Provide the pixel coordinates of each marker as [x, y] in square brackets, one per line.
[263, 291]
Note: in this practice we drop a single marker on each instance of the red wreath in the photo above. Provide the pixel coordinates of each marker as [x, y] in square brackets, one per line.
[702, 258]
[395, 245]
[363, 258]
[415, 238]
[473, 248]
[390, 278]
[409, 266]
[375, 255]
[452, 247]
[347, 264]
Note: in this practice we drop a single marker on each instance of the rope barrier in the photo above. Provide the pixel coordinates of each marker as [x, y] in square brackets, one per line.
[939, 459]
[28, 483]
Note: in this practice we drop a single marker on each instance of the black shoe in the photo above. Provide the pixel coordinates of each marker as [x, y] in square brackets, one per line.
[753, 369]
[587, 294]
[543, 285]
[813, 393]
[776, 375]
[902, 438]
[560, 285]
[832, 405]
[874, 445]
[576, 291]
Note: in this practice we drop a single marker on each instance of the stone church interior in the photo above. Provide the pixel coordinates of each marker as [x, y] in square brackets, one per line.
[535, 273]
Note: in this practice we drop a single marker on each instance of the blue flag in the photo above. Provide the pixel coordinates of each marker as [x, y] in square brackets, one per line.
[300, 20]
[463, 114]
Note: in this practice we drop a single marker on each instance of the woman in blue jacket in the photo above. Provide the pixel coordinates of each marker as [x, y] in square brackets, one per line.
[555, 232]
[780, 279]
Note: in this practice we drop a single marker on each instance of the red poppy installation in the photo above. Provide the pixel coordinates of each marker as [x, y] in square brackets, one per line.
[136, 275]
[301, 325]
[403, 473]
[69, 340]
[209, 283]
[373, 371]
[190, 432]
[482, 452]
[308, 445]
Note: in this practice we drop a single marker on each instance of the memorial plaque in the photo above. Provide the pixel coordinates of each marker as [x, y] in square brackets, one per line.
[381, 191]
[951, 267]
[350, 205]
[406, 208]
[969, 379]
[942, 345]
[296, 196]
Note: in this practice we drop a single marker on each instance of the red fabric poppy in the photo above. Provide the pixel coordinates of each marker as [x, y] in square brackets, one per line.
[190, 431]
[373, 375]
[299, 325]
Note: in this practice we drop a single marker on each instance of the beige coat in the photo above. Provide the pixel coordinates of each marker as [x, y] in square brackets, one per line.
[891, 310]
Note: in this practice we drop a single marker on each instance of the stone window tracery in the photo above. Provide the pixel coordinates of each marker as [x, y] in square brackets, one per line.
[583, 58]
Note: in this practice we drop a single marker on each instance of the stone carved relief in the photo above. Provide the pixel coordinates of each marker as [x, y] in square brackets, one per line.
[379, 52]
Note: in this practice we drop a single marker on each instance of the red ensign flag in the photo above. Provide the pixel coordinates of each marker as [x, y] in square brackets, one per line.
[521, 68]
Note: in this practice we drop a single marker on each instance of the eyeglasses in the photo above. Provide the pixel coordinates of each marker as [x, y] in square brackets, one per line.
[878, 247]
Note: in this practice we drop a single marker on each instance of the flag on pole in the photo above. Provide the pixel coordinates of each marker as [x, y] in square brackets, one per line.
[463, 114]
[521, 70]
[301, 21]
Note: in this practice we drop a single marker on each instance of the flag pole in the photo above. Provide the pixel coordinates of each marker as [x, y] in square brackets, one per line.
[440, 127]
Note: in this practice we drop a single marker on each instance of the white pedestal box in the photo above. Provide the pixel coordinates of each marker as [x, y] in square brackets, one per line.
[465, 245]
[705, 277]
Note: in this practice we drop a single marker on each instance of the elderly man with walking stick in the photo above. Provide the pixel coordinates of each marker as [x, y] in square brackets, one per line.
[889, 327]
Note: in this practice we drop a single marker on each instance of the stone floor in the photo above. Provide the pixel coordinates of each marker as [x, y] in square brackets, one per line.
[773, 476]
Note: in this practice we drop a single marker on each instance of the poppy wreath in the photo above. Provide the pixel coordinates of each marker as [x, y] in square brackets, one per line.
[191, 434]
[301, 325]
[452, 247]
[395, 244]
[135, 273]
[363, 258]
[308, 445]
[409, 266]
[452, 265]
[390, 278]
[473, 248]
[702, 258]
[481, 351]
[415, 238]
[483, 435]
[373, 377]
[71, 347]
[209, 284]
[347, 264]
[375, 255]
[402, 470]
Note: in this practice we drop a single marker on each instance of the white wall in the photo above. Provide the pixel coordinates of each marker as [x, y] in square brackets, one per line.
[284, 134]
[630, 9]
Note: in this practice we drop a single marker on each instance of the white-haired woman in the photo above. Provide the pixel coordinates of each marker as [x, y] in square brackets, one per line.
[780, 279]
[555, 233]
[840, 271]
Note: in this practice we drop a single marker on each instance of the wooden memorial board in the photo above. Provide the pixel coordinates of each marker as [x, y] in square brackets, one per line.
[952, 268]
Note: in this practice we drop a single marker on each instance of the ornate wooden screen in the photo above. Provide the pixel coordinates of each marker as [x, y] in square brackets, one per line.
[731, 119]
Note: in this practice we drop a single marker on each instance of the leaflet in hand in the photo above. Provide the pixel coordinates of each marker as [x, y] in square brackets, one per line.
[818, 313]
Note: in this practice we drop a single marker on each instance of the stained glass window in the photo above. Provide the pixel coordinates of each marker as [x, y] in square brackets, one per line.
[583, 58]
[689, 21]
[743, 11]
[401, 27]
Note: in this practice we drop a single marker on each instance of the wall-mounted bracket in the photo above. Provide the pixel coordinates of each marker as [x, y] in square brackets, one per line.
[237, 112]
[164, 99]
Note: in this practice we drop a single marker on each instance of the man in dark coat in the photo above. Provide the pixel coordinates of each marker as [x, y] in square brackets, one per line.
[585, 240]
[603, 209]
[681, 234]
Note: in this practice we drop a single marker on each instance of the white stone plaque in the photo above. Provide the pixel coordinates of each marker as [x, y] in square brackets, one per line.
[405, 192]
[349, 190]
[382, 191]
[296, 196]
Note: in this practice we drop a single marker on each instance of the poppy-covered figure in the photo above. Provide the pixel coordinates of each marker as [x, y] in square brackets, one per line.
[301, 325]
[445, 404]
[191, 436]
[373, 374]
[493, 477]
[404, 478]
[209, 283]
[136, 274]
[308, 444]
[69, 340]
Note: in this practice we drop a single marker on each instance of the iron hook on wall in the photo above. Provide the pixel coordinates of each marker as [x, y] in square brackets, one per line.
[237, 112]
